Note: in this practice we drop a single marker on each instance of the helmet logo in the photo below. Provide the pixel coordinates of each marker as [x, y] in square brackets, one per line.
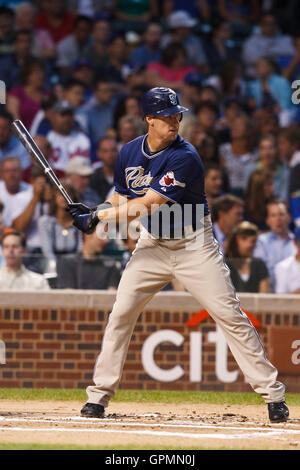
[173, 99]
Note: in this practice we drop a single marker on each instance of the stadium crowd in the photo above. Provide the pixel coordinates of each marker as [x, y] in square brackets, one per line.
[74, 72]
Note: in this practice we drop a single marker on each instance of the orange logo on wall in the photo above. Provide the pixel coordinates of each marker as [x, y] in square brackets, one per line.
[202, 315]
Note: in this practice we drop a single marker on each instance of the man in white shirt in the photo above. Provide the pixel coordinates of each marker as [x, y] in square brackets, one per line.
[277, 244]
[14, 275]
[287, 272]
[12, 187]
[66, 142]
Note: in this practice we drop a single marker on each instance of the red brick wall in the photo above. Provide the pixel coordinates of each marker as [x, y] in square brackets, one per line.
[57, 348]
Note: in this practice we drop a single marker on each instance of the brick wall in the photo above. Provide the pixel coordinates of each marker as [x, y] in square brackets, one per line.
[52, 340]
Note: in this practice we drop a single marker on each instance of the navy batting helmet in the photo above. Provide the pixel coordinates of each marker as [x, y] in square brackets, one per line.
[161, 101]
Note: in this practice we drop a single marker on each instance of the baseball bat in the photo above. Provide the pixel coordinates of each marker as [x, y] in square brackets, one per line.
[26, 139]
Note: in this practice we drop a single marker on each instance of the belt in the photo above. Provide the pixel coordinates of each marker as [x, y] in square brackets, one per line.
[186, 230]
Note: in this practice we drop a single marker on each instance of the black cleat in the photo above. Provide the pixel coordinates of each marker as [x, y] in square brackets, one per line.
[93, 410]
[278, 412]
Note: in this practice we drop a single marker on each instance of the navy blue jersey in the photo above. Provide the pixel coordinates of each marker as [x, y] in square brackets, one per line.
[176, 172]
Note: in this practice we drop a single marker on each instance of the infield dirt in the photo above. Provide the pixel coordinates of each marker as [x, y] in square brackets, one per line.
[153, 425]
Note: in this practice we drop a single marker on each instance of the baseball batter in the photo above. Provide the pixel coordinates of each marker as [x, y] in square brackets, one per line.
[155, 173]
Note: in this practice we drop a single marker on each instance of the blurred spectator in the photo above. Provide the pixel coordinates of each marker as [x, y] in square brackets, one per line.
[172, 69]
[6, 30]
[97, 51]
[287, 272]
[73, 92]
[57, 234]
[248, 274]
[192, 7]
[209, 93]
[42, 43]
[232, 108]
[117, 58]
[289, 145]
[9, 144]
[135, 14]
[78, 172]
[267, 122]
[150, 50]
[70, 49]
[14, 275]
[55, 19]
[84, 72]
[190, 95]
[11, 64]
[213, 183]
[230, 80]
[219, 47]
[24, 101]
[292, 70]
[11, 187]
[239, 13]
[268, 42]
[32, 204]
[127, 105]
[41, 123]
[207, 114]
[259, 192]
[238, 154]
[89, 269]
[2, 228]
[276, 244]
[98, 8]
[102, 181]
[268, 161]
[181, 25]
[66, 142]
[129, 127]
[227, 212]
[100, 109]
[272, 91]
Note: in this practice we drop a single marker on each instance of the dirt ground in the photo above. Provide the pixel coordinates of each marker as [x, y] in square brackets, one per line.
[151, 424]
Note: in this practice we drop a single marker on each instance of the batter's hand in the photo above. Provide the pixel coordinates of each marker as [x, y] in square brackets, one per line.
[84, 218]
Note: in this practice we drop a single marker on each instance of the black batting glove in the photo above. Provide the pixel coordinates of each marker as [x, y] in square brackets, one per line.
[84, 218]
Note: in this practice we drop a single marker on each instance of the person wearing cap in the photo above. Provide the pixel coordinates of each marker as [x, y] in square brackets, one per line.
[287, 272]
[78, 172]
[70, 49]
[180, 25]
[65, 140]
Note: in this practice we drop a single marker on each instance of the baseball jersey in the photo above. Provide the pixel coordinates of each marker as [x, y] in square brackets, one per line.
[175, 172]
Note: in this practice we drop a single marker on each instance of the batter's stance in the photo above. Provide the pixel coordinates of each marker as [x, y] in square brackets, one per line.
[162, 169]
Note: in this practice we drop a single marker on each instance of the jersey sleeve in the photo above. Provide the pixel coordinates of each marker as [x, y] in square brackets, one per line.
[119, 177]
[177, 176]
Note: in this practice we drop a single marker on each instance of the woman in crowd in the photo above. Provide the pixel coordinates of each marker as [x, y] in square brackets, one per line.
[237, 155]
[57, 233]
[248, 274]
[260, 191]
[270, 163]
[24, 101]
[172, 69]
